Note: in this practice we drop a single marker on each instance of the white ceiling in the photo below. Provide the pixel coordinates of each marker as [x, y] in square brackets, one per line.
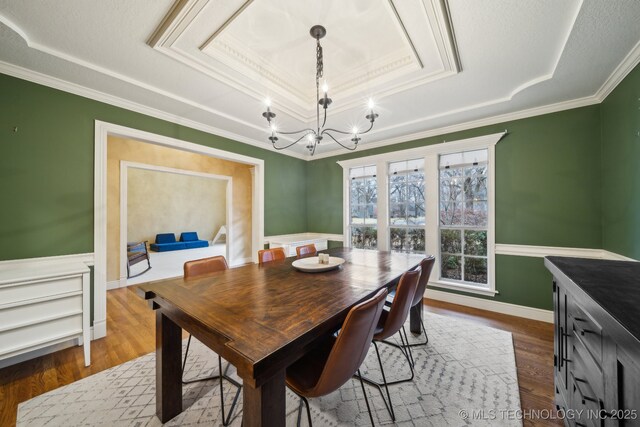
[431, 67]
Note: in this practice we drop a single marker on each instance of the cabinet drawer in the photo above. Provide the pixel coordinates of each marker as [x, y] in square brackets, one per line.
[12, 293]
[588, 330]
[19, 315]
[584, 402]
[15, 341]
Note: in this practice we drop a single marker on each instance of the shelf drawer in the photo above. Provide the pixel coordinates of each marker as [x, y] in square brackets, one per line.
[18, 340]
[588, 330]
[12, 293]
[41, 311]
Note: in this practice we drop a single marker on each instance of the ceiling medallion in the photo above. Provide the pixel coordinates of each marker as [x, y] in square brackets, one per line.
[314, 136]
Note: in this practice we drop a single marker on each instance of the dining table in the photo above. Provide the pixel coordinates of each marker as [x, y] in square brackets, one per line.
[261, 318]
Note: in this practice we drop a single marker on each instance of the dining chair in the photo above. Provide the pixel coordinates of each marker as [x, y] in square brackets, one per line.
[390, 323]
[426, 265]
[268, 255]
[196, 269]
[336, 359]
[306, 250]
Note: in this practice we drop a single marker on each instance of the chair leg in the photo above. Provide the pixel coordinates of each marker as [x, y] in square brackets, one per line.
[306, 404]
[426, 341]
[227, 420]
[366, 399]
[407, 356]
[221, 375]
[386, 386]
[407, 349]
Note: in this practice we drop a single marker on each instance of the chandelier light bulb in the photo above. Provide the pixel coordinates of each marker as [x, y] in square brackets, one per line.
[274, 128]
[310, 137]
[267, 102]
[354, 130]
[371, 104]
[325, 87]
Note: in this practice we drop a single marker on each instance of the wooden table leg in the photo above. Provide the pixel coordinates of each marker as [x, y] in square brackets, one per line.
[265, 405]
[415, 319]
[168, 368]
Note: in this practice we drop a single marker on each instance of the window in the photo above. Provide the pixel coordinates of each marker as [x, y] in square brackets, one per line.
[434, 199]
[407, 206]
[464, 216]
[363, 207]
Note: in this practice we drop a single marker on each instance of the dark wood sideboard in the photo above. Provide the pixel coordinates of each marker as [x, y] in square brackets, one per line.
[596, 340]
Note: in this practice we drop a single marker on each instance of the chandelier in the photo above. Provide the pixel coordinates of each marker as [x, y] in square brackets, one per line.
[314, 136]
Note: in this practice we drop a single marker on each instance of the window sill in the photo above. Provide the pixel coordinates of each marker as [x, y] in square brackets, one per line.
[463, 288]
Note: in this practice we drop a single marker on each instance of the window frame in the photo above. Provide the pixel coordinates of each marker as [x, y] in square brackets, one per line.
[462, 228]
[351, 225]
[431, 155]
[405, 226]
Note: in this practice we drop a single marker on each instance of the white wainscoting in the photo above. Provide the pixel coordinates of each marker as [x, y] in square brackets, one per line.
[44, 305]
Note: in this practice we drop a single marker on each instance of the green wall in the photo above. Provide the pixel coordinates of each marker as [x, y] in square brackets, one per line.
[564, 179]
[620, 172]
[46, 170]
[547, 193]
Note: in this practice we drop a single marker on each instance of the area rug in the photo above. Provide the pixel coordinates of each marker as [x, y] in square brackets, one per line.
[464, 376]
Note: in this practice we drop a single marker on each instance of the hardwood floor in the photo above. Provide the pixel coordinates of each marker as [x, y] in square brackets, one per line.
[130, 326]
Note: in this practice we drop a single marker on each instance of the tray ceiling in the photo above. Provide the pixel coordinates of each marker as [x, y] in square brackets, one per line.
[431, 66]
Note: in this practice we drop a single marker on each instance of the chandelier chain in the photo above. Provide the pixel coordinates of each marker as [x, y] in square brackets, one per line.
[319, 64]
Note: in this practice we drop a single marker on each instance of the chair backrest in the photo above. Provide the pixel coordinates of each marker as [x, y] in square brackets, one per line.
[426, 265]
[401, 304]
[268, 255]
[306, 250]
[200, 267]
[351, 345]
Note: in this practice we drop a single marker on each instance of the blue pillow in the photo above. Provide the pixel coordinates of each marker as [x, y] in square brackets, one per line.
[189, 236]
[165, 238]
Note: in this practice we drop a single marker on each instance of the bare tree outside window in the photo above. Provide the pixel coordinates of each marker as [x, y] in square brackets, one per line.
[464, 217]
[363, 207]
[407, 206]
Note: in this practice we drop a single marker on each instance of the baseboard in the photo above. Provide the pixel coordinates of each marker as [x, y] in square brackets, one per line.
[115, 284]
[43, 351]
[498, 307]
[99, 329]
[241, 261]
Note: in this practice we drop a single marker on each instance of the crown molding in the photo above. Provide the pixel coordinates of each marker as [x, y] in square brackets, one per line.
[85, 92]
[622, 70]
[523, 114]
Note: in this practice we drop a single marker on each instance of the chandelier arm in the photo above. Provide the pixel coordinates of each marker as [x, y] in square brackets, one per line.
[335, 130]
[307, 131]
[366, 131]
[325, 118]
[339, 143]
[290, 145]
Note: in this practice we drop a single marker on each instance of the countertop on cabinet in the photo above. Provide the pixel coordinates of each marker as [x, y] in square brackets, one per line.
[614, 285]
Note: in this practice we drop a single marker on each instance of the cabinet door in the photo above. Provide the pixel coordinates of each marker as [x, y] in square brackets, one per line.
[623, 397]
[561, 344]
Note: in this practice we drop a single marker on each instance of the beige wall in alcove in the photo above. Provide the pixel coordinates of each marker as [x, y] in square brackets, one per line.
[119, 149]
[167, 202]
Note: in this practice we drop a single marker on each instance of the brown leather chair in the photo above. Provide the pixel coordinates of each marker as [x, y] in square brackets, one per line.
[306, 250]
[333, 362]
[268, 255]
[204, 266]
[426, 265]
[197, 269]
[392, 322]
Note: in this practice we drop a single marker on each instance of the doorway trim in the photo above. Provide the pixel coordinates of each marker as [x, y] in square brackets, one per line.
[102, 131]
[124, 218]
